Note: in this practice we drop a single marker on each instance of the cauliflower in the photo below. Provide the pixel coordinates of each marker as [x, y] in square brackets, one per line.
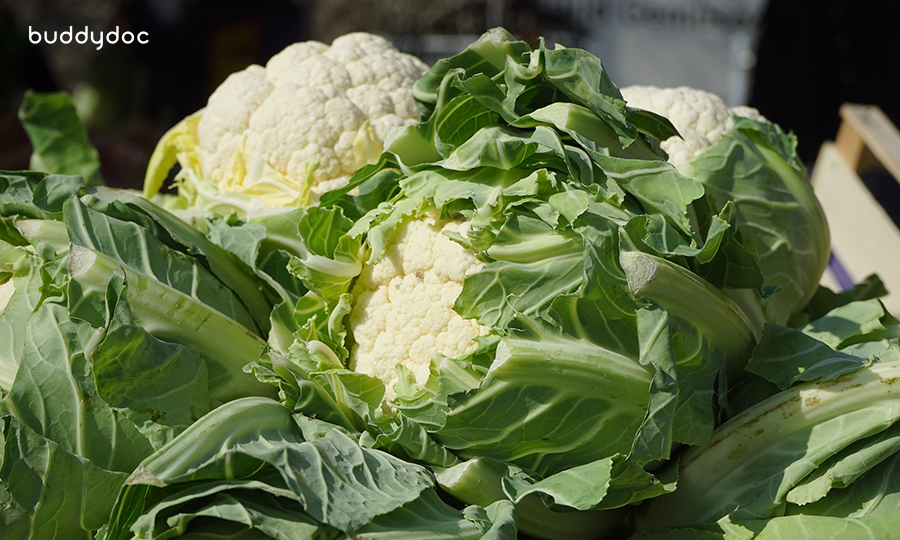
[403, 312]
[701, 117]
[759, 172]
[285, 133]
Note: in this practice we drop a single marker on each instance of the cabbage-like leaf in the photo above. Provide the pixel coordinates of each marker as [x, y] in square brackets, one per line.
[867, 508]
[756, 168]
[251, 463]
[847, 466]
[251, 289]
[74, 435]
[47, 492]
[55, 394]
[21, 295]
[484, 480]
[843, 340]
[130, 244]
[876, 492]
[756, 458]
[60, 141]
[32, 195]
[170, 315]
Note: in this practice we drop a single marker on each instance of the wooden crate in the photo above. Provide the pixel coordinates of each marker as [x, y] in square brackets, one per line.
[864, 239]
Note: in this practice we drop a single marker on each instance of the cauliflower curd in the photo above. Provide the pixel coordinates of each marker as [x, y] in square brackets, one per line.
[701, 117]
[403, 312]
[287, 132]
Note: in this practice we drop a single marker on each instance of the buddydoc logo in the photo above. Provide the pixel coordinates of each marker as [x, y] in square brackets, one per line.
[82, 37]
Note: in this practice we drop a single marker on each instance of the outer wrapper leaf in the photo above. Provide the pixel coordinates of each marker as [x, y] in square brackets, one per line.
[868, 508]
[48, 393]
[756, 167]
[48, 492]
[309, 465]
[757, 457]
[60, 141]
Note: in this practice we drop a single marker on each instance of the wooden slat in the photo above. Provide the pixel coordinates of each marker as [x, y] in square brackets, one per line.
[851, 145]
[863, 237]
[866, 127]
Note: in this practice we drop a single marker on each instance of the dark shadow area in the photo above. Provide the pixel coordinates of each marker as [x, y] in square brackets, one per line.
[130, 94]
[814, 55]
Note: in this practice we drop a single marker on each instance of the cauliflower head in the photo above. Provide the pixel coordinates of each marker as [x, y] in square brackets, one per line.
[403, 314]
[285, 133]
[701, 117]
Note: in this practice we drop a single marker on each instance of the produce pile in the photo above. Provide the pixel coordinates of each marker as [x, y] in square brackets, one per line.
[517, 317]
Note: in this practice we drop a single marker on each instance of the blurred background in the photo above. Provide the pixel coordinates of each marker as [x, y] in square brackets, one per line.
[795, 60]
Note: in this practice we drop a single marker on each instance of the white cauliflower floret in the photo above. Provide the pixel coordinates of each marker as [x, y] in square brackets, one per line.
[330, 124]
[701, 117]
[225, 130]
[403, 312]
[308, 105]
[302, 125]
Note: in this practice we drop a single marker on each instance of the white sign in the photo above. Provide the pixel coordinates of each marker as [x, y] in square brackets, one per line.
[708, 44]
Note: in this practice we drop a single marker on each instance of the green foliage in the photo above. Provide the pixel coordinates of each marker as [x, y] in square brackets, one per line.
[756, 168]
[597, 254]
[658, 358]
[60, 141]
